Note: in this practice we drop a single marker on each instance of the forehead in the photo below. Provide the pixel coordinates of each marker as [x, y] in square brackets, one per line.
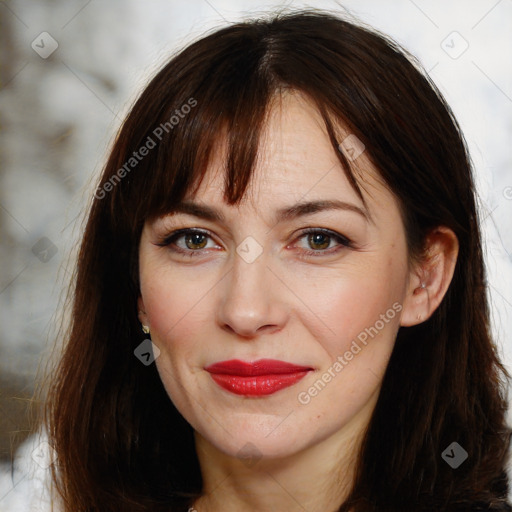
[296, 161]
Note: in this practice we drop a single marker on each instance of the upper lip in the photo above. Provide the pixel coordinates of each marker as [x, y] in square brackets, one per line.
[259, 367]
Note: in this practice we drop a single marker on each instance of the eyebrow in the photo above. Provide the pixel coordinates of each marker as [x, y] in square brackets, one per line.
[283, 214]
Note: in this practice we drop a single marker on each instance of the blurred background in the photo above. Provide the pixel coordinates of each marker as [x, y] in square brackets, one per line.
[71, 69]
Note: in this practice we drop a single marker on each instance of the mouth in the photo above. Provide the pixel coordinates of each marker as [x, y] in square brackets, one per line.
[259, 378]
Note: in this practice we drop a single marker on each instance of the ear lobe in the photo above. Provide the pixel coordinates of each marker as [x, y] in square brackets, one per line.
[430, 279]
[143, 318]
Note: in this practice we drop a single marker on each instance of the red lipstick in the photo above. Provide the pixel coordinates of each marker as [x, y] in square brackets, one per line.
[259, 378]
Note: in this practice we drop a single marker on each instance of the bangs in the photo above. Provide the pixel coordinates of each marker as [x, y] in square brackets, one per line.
[230, 125]
[199, 105]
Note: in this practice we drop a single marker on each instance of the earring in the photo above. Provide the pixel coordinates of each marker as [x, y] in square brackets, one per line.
[145, 328]
[423, 285]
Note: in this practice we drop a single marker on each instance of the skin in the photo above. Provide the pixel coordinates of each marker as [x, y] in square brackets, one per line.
[286, 305]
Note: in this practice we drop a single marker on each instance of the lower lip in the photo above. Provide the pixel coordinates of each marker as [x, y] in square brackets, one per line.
[257, 385]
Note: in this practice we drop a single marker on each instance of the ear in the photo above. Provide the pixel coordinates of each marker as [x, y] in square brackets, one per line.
[143, 317]
[430, 277]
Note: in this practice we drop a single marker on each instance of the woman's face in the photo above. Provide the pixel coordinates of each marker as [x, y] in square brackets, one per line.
[255, 285]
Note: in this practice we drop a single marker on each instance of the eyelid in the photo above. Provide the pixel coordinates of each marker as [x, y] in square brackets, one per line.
[173, 235]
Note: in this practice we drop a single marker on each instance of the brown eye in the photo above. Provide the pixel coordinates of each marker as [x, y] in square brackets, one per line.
[195, 241]
[190, 242]
[319, 240]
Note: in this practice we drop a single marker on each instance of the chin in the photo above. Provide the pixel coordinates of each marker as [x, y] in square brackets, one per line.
[256, 447]
[257, 440]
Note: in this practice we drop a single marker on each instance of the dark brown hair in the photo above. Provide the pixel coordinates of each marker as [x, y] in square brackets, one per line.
[120, 442]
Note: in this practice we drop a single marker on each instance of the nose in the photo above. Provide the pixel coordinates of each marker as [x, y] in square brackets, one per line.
[253, 299]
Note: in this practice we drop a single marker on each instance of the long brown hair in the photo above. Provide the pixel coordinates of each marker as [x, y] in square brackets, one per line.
[120, 442]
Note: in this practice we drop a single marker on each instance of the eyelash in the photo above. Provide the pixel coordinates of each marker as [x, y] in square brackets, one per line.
[175, 235]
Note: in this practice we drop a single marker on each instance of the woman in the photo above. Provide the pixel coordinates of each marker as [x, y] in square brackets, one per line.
[280, 300]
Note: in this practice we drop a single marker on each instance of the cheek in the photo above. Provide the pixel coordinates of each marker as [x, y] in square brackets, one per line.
[172, 298]
[359, 318]
[354, 302]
